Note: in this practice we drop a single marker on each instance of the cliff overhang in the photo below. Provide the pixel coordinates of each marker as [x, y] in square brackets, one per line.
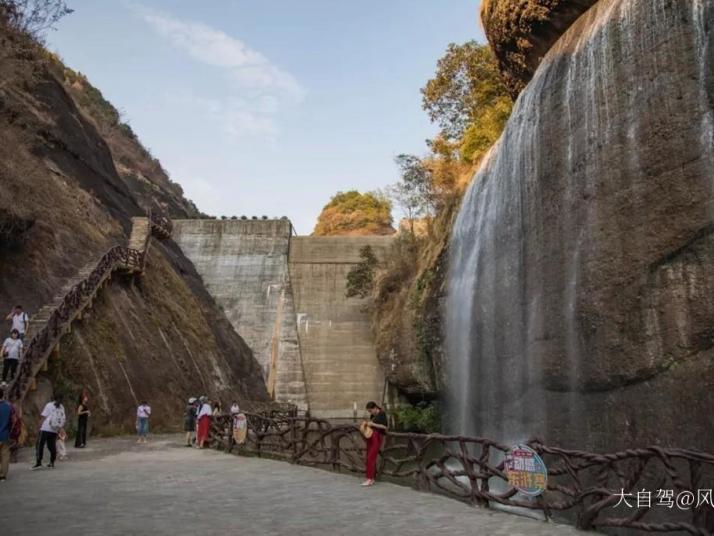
[521, 32]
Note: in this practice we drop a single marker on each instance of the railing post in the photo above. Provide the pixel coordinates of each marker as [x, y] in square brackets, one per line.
[483, 484]
[293, 440]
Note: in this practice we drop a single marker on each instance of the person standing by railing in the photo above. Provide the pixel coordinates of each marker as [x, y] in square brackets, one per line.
[189, 421]
[239, 427]
[373, 431]
[204, 421]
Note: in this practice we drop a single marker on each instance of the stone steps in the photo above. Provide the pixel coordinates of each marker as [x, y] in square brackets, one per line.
[140, 233]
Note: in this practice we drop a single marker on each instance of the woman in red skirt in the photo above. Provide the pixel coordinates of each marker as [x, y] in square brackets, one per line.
[204, 422]
[378, 425]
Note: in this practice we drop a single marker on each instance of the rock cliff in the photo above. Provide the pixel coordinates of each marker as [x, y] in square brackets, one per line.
[581, 286]
[521, 32]
[71, 184]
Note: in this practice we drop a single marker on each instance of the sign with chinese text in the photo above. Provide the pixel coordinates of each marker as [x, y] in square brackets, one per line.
[526, 471]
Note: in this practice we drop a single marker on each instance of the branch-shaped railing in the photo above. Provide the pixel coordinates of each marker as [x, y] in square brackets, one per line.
[583, 488]
[77, 298]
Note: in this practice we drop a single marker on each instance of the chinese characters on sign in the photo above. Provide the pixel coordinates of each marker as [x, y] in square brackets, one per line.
[526, 471]
[666, 498]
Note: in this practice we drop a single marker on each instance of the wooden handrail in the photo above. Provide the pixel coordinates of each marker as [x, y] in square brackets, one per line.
[583, 486]
[76, 300]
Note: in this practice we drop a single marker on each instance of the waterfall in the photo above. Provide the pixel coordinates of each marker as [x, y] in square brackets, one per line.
[562, 211]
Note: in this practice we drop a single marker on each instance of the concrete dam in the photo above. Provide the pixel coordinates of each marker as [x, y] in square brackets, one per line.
[285, 295]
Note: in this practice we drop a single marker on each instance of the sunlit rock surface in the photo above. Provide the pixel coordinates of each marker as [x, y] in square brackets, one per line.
[522, 31]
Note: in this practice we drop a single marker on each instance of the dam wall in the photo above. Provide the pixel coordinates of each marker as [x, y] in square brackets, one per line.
[285, 296]
[336, 341]
[244, 266]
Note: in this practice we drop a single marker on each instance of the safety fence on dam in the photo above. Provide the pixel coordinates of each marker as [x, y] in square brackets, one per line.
[583, 488]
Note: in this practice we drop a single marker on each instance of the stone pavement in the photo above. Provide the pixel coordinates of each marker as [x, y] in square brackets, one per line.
[115, 487]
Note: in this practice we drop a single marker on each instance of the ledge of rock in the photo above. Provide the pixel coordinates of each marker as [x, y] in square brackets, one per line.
[522, 31]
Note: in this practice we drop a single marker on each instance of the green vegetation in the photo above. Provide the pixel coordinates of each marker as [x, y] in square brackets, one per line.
[32, 17]
[360, 279]
[353, 213]
[467, 99]
[471, 105]
[423, 418]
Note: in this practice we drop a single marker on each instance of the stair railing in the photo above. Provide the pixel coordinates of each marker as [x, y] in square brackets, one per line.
[75, 300]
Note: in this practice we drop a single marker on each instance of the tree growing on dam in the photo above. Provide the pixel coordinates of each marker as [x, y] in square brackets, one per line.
[360, 279]
[354, 213]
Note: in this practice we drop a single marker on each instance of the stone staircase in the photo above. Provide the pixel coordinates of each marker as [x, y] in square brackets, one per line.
[139, 238]
[54, 320]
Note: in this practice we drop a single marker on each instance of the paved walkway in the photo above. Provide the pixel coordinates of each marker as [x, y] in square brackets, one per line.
[115, 487]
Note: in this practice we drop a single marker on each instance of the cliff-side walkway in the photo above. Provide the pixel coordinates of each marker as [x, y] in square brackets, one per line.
[115, 487]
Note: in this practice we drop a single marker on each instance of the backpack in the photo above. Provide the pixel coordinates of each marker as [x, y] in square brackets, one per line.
[56, 419]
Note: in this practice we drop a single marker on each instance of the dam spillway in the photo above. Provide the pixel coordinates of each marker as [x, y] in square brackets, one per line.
[285, 296]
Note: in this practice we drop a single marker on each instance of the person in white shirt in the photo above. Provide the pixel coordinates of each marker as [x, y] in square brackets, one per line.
[53, 421]
[204, 421]
[12, 353]
[143, 412]
[20, 321]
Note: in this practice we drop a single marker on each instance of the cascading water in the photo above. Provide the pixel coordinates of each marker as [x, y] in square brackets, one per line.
[549, 308]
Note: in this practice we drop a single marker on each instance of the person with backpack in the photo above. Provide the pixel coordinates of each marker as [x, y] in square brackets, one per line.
[7, 421]
[189, 421]
[20, 321]
[53, 420]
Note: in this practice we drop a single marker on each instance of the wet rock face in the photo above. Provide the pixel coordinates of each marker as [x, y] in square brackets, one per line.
[521, 32]
[581, 286]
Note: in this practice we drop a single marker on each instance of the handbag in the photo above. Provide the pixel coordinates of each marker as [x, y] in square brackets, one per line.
[365, 429]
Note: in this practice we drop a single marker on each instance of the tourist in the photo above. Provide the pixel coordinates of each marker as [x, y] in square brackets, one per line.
[11, 352]
[83, 414]
[204, 421]
[378, 425]
[53, 421]
[235, 408]
[7, 413]
[216, 408]
[20, 321]
[189, 421]
[61, 448]
[143, 412]
[239, 427]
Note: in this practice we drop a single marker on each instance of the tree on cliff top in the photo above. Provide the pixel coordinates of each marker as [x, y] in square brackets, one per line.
[468, 99]
[32, 17]
[353, 213]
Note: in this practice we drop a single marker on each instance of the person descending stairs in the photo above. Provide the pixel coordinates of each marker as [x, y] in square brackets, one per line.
[54, 319]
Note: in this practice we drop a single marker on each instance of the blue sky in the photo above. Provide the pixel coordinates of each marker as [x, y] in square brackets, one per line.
[270, 107]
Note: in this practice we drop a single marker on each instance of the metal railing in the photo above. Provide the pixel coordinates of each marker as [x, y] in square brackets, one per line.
[583, 487]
